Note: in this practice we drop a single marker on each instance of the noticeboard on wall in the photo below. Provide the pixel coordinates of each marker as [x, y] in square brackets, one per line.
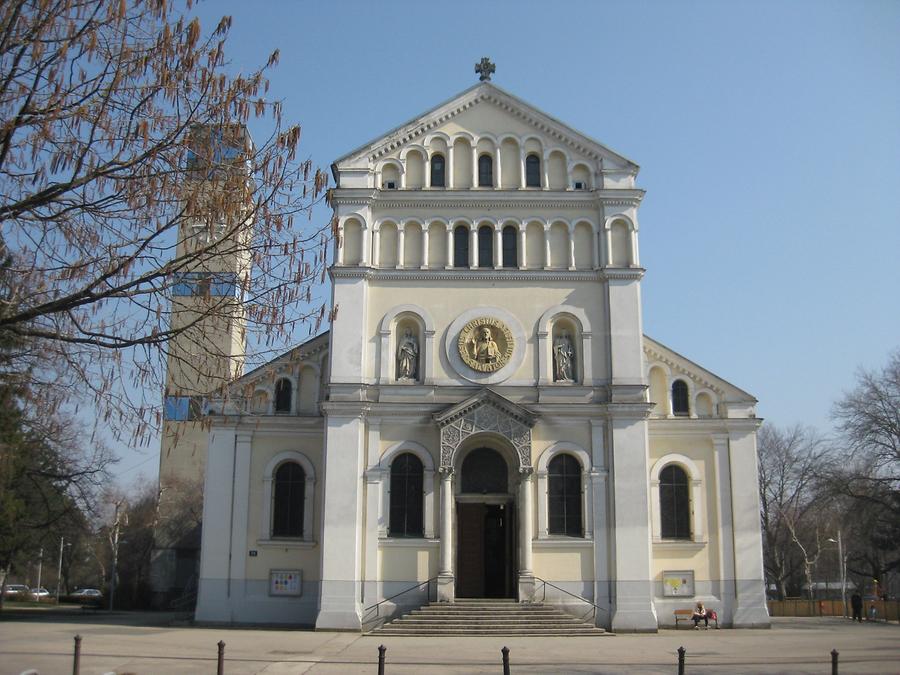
[678, 584]
[286, 582]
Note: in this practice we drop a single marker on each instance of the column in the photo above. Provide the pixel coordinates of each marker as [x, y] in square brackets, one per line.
[595, 247]
[522, 167]
[526, 534]
[602, 534]
[750, 607]
[546, 246]
[475, 165]
[425, 229]
[446, 584]
[571, 246]
[365, 257]
[473, 246]
[340, 247]
[498, 247]
[521, 252]
[376, 246]
[498, 176]
[449, 246]
[400, 233]
[374, 477]
[545, 167]
[451, 181]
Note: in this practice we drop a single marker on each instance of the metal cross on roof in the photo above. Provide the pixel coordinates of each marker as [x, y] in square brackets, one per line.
[484, 69]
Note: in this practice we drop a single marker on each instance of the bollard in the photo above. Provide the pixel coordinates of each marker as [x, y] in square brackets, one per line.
[76, 661]
[381, 650]
[834, 661]
[681, 661]
[505, 652]
[220, 664]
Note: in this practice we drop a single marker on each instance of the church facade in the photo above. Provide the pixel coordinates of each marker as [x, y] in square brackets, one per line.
[485, 417]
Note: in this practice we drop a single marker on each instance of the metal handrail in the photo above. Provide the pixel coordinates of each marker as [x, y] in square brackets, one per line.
[574, 595]
[377, 605]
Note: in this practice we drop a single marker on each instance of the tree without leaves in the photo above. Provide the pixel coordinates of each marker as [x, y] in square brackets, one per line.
[790, 461]
[102, 104]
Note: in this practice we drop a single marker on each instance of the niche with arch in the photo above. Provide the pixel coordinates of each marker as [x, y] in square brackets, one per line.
[390, 177]
[584, 246]
[387, 245]
[412, 244]
[510, 159]
[408, 336]
[704, 405]
[658, 393]
[558, 175]
[581, 177]
[353, 242]
[415, 170]
[621, 254]
[566, 350]
[462, 163]
[308, 403]
[534, 245]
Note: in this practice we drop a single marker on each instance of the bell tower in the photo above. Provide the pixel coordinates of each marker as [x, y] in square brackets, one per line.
[210, 269]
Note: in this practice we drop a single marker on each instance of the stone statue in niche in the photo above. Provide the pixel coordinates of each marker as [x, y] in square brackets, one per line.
[407, 356]
[563, 358]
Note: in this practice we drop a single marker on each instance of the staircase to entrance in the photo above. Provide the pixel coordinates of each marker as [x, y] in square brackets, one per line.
[488, 616]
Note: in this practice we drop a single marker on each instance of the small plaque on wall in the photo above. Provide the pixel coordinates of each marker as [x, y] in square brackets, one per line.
[678, 584]
[285, 582]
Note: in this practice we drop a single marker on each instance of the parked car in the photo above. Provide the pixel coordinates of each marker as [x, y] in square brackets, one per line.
[16, 591]
[40, 593]
[83, 593]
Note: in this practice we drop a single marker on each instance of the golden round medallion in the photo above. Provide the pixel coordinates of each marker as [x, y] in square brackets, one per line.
[485, 344]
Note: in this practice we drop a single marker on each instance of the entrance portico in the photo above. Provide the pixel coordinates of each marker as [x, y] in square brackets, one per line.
[483, 425]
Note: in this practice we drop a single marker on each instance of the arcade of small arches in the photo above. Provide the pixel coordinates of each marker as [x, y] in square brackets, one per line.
[465, 161]
[291, 393]
[676, 396]
[507, 243]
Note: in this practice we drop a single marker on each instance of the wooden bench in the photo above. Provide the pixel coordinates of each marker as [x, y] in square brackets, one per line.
[686, 614]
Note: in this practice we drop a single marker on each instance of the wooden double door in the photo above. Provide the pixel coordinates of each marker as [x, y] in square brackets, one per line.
[485, 550]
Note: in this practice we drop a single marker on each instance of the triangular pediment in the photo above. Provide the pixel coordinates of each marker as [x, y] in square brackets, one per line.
[486, 399]
[485, 105]
[312, 350]
[656, 352]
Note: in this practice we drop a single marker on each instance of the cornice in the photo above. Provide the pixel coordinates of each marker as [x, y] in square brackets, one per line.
[688, 426]
[418, 274]
[485, 198]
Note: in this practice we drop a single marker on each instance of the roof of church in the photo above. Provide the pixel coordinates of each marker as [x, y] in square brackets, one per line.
[440, 113]
[311, 345]
[694, 369]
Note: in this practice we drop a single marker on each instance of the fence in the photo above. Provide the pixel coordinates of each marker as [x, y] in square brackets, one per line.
[885, 610]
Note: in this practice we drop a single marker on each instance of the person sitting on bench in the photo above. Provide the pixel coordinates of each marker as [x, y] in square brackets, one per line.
[700, 615]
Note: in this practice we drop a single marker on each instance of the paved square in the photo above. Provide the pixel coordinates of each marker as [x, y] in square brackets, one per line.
[148, 644]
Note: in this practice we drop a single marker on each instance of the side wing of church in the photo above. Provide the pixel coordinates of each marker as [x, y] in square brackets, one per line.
[485, 417]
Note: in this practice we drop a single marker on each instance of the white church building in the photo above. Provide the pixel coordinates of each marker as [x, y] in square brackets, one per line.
[485, 417]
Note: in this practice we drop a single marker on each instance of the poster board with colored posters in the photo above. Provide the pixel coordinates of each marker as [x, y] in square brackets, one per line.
[286, 582]
[678, 584]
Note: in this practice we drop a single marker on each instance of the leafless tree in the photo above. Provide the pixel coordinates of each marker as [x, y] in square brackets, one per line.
[124, 167]
[790, 464]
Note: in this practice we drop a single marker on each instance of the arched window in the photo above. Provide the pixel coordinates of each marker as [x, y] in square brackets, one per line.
[674, 503]
[283, 394]
[564, 496]
[406, 496]
[288, 500]
[510, 246]
[533, 171]
[437, 171]
[680, 398]
[461, 246]
[485, 171]
[485, 247]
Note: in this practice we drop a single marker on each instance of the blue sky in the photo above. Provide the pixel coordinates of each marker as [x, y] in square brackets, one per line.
[768, 135]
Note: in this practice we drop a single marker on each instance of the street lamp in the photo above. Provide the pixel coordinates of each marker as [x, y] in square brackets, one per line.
[840, 546]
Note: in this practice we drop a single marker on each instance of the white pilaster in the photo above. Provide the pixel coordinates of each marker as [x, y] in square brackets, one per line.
[340, 247]
[498, 175]
[522, 167]
[451, 167]
[449, 263]
[473, 247]
[546, 246]
[374, 478]
[339, 603]
[498, 247]
[750, 606]
[545, 168]
[634, 608]
[722, 508]
[595, 247]
[571, 246]
[425, 229]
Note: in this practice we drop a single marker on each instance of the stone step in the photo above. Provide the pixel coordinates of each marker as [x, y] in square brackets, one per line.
[477, 616]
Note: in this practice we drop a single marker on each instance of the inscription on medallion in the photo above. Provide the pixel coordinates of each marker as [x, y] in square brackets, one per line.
[485, 344]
